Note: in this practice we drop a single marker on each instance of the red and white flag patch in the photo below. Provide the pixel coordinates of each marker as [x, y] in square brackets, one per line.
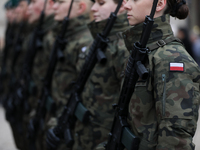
[176, 66]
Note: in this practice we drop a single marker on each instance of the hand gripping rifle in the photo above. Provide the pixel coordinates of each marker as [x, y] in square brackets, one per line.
[74, 109]
[120, 135]
[45, 103]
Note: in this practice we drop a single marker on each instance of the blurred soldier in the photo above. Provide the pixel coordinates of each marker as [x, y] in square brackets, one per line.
[41, 59]
[7, 62]
[9, 40]
[103, 85]
[15, 68]
[78, 38]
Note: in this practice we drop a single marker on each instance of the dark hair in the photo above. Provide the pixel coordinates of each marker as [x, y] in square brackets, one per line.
[177, 8]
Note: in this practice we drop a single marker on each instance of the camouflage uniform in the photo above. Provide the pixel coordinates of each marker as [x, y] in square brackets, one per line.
[78, 38]
[16, 71]
[40, 65]
[164, 109]
[41, 60]
[102, 88]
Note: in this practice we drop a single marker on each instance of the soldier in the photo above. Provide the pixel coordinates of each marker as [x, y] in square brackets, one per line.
[10, 37]
[78, 38]
[103, 85]
[41, 59]
[164, 108]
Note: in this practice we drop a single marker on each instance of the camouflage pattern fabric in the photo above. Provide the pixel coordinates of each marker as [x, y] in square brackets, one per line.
[25, 38]
[102, 88]
[12, 38]
[41, 60]
[78, 38]
[164, 109]
[39, 66]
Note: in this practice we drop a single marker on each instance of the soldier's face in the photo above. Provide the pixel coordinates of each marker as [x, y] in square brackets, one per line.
[34, 10]
[11, 15]
[138, 9]
[21, 11]
[102, 8]
[61, 8]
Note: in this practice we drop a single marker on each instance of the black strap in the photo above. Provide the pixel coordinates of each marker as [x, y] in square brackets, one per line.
[162, 43]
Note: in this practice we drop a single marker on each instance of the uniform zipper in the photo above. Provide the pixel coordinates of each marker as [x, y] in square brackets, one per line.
[164, 95]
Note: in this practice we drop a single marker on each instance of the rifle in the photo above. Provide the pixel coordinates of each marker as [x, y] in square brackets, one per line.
[37, 122]
[121, 135]
[74, 109]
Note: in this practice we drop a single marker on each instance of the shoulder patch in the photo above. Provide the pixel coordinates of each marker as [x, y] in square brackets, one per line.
[176, 66]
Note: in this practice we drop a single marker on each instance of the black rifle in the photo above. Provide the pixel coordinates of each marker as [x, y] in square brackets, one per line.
[37, 122]
[74, 109]
[120, 135]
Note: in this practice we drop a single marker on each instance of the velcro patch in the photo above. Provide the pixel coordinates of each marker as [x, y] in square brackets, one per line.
[176, 67]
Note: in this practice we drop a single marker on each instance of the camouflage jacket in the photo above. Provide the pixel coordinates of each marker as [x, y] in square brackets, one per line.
[78, 38]
[12, 38]
[41, 60]
[103, 86]
[27, 29]
[164, 109]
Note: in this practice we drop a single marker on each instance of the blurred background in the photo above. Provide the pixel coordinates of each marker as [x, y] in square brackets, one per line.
[187, 30]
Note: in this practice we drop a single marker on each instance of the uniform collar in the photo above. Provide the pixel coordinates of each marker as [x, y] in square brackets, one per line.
[49, 23]
[120, 24]
[161, 30]
[77, 24]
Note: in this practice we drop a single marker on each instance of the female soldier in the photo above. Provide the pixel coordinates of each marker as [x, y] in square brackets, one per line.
[103, 85]
[164, 109]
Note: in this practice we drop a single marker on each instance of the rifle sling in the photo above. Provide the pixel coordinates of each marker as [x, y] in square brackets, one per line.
[162, 43]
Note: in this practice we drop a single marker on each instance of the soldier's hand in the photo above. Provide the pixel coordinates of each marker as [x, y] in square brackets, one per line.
[52, 140]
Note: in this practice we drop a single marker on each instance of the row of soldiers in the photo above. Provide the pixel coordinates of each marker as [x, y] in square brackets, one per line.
[27, 73]
[62, 75]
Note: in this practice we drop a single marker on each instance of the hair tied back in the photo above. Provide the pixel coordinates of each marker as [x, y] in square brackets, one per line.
[176, 7]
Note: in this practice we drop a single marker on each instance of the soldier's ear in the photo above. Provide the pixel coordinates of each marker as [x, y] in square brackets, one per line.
[122, 9]
[161, 5]
[82, 7]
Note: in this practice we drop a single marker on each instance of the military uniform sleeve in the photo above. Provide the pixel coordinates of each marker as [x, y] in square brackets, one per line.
[120, 58]
[176, 95]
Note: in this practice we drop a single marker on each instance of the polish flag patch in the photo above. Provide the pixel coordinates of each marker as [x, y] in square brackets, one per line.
[176, 66]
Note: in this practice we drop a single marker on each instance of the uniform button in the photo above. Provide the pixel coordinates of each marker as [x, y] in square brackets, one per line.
[124, 36]
[76, 134]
